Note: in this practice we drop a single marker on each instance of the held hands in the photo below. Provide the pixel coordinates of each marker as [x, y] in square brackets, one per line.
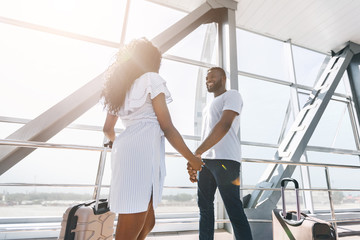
[192, 173]
[197, 163]
[192, 168]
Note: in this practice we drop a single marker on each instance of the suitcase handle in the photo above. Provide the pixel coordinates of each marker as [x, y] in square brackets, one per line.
[100, 174]
[283, 181]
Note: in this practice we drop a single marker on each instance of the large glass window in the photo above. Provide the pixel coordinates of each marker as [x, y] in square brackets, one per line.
[99, 19]
[264, 109]
[40, 69]
[147, 19]
[334, 128]
[259, 55]
[200, 45]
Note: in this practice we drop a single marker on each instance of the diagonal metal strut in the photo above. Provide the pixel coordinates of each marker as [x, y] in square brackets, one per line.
[293, 145]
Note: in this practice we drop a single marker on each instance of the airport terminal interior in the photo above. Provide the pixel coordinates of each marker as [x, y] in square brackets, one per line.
[295, 63]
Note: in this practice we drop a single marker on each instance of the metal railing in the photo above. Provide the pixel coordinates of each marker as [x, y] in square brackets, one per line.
[56, 227]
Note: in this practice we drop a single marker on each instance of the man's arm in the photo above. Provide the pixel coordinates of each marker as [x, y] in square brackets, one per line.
[218, 132]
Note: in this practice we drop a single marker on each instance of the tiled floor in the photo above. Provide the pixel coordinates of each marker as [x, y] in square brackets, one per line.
[188, 235]
[222, 234]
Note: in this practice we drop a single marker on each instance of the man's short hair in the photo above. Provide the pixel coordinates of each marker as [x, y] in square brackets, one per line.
[219, 69]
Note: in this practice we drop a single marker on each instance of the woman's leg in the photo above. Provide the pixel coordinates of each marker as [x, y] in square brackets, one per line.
[135, 226]
[129, 226]
[149, 222]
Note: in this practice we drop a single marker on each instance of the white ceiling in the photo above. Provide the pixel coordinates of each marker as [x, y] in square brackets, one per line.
[320, 25]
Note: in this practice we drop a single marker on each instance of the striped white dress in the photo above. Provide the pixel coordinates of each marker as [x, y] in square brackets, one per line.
[138, 153]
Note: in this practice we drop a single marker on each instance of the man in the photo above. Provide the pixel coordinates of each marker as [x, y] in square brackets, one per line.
[221, 153]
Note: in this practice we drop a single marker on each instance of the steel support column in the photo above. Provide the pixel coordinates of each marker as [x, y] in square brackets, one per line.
[227, 46]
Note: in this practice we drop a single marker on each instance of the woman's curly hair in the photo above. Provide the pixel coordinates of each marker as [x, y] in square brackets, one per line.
[133, 60]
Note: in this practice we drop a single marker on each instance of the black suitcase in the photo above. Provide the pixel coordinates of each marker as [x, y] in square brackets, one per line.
[295, 225]
[91, 220]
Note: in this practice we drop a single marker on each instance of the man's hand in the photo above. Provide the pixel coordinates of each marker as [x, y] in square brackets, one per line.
[192, 173]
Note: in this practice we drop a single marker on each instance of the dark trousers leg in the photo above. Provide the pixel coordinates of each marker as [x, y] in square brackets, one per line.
[226, 174]
[206, 193]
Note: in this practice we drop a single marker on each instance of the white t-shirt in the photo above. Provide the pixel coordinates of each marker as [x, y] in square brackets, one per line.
[229, 146]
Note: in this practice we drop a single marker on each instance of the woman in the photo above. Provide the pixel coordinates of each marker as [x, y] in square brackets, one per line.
[135, 92]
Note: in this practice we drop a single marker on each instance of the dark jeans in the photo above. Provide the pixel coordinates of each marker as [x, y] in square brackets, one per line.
[221, 174]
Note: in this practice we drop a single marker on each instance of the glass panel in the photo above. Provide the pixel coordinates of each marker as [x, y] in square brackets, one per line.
[264, 109]
[57, 166]
[260, 55]
[332, 158]
[192, 46]
[249, 151]
[181, 80]
[341, 87]
[345, 178]
[41, 71]
[307, 65]
[180, 202]
[334, 128]
[251, 173]
[7, 129]
[303, 98]
[346, 200]
[341, 200]
[95, 116]
[100, 19]
[340, 178]
[78, 137]
[321, 201]
[177, 175]
[147, 19]
[39, 201]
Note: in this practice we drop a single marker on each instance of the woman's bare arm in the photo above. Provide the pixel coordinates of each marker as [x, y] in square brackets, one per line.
[109, 126]
[171, 133]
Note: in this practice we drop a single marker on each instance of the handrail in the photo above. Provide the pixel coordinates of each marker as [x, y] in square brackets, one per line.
[35, 144]
[178, 187]
[188, 137]
[73, 185]
[299, 163]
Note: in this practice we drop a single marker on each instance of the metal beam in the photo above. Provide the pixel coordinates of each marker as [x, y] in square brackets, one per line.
[354, 80]
[228, 46]
[183, 27]
[294, 95]
[295, 142]
[51, 122]
[209, 11]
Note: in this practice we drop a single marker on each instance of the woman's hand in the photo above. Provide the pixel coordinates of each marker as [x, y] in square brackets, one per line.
[196, 163]
[192, 173]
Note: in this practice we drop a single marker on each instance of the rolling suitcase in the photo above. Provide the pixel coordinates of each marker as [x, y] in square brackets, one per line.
[296, 225]
[91, 220]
